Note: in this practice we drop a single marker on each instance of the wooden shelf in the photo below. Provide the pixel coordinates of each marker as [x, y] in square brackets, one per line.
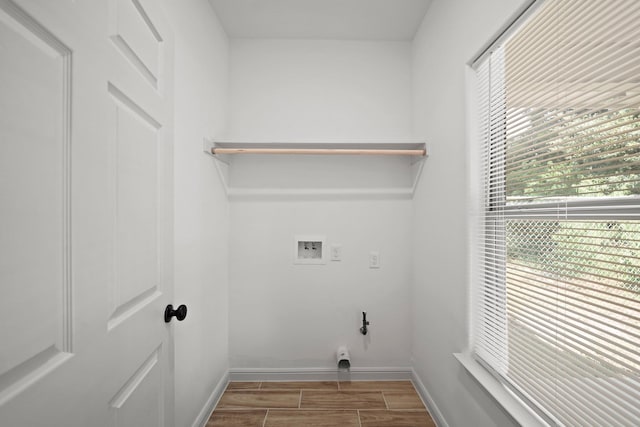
[328, 170]
[416, 149]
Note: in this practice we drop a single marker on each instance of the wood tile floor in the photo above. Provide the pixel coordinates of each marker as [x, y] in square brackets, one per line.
[321, 404]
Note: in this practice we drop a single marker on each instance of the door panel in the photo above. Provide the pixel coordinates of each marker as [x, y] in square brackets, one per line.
[34, 165]
[140, 401]
[86, 219]
[135, 31]
[136, 139]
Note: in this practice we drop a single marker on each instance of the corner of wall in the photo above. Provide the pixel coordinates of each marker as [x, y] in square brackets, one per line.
[212, 402]
[452, 31]
[201, 212]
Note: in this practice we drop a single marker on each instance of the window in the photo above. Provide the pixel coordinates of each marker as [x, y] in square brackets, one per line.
[557, 294]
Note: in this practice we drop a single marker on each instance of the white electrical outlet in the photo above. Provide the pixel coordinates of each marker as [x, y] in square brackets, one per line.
[336, 252]
[374, 259]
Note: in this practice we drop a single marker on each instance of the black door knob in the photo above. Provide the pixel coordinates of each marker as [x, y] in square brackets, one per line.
[180, 313]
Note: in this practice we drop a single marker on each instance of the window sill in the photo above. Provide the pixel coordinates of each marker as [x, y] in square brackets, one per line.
[511, 404]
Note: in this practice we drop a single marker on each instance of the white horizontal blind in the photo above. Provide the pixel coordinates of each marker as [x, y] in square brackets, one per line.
[557, 300]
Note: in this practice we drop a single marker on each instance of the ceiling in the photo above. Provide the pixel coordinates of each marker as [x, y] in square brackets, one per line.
[321, 19]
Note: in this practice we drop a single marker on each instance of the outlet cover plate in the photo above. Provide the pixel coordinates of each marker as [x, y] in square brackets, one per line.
[336, 252]
[374, 259]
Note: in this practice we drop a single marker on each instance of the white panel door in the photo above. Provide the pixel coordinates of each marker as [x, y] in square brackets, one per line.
[86, 213]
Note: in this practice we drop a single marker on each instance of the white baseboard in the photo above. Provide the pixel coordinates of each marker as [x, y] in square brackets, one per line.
[428, 400]
[320, 374]
[212, 401]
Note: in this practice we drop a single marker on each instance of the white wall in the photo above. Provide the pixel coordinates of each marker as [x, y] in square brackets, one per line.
[319, 88]
[291, 316]
[452, 32]
[201, 209]
[295, 316]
